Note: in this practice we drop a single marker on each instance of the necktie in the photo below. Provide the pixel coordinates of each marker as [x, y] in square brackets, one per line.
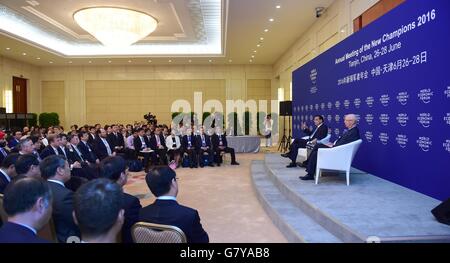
[3, 152]
[107, 147]
[312, 135]
[203, 141]
[78, 152]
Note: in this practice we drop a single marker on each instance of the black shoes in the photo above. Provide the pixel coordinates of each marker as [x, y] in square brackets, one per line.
[307, 177]
[285, 155]
[291, 165]
[234, 163]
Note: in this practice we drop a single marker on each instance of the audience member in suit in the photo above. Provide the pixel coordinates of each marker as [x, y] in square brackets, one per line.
[99, 223]
[351, 135]
[102, 147]
[204, 146]
[116, 140]
[142, 144]
[63, 145]
[27, 202]
[14, 141]
[25, 146]
[86, 149]
[56, 170]
[80, 166]
[8, 170]
[27, 165]
[173, 145]
[188, 146]
[319, 133]
[37, 144]
[158, 144]
[220, 144]
[166, 210]
[3, 151]
[114, 168]
[92, 135]
[53, 147]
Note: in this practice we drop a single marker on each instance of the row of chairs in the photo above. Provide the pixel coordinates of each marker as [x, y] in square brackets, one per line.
[141, 232]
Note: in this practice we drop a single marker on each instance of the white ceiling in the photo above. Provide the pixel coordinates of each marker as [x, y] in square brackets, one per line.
[212, 31]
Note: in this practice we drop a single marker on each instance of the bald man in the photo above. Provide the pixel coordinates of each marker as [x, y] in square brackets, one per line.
[351, 135]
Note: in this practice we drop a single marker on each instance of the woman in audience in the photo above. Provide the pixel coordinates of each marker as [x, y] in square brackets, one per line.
[173, 144]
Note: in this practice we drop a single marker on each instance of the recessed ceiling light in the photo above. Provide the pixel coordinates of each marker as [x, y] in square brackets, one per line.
[230, 60]
[278, 6]
[258, 45]
[129, 61]
[51, 62]
[170, 61]
[251, 60]
[38, 58]
[109, 61]
[266, 30]
[70, 62]
[271, 20]
[24, 54]
[149, 61]
[343, 31]
[90, 62]
[261, 38]
[253, 56]
[190, 61]
[254, 51]
[210, 61]
[8, 48]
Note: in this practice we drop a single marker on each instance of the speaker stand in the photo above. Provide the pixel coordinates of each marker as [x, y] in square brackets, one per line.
[282, 145]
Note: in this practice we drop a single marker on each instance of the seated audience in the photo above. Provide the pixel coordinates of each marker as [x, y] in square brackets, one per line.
[142, 147]
[204, 146]
[220, 144]
[102, 147]
[114, 168]
[319, 133]
[351, 135]
[98, 211]
[8, 170]
[173, 145]
[28, 204]
[86, 149]
[158, 144]
[188, 147]
[166, 210]
[54, 141]
[27, 165]
[3, 151]
[55, 169]
[14, 141]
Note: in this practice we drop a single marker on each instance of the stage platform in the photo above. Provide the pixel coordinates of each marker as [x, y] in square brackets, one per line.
[371, 209]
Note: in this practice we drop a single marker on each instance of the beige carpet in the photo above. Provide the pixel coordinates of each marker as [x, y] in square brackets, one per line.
[225, 199]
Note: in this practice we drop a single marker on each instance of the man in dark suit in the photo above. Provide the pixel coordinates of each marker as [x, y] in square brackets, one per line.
[351, 135]
[56, 170]
[166, 210]
[86, 149]
[158, 144]
[27, 165]
[28, 204]
[8, 170]
[188, 146]
[80, 166]
[115, 139]
[54, 142]
[319, 133]
[3, 151]
[102, 147]
[141, 144]
[204, 146]
[114, 168]
[220, 144]
[92, 135]
[14, 141]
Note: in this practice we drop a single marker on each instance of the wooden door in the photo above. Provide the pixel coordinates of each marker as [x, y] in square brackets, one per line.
[19, 95]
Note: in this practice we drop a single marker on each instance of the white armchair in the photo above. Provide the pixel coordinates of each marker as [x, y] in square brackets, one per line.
[337, 158]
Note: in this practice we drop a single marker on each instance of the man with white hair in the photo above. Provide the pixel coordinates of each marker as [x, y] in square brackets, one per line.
[351, 135]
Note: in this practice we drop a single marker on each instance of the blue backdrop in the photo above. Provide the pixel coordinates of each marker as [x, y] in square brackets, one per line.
[395, 75]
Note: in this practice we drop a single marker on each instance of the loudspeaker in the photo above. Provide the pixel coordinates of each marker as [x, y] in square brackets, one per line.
[442, 212]
[285, 108]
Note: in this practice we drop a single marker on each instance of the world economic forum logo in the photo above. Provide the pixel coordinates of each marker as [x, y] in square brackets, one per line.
[384, 99]
[369, 136]
[446, 145]
[337, 132]
[447, 119]
[337, 104]
[403, 98]
[424, 143]
[322, 106]
[447, 92]
[357, 103]
[384, 138]
[316, 106]
[402, 140]
[384, 119]
[311, 107]
[302, 108]
[311, 117]
[402, 119]
[425, 95]
[313, 76]
[425, 119]
[346, 104]
[337, 118]
[330, 105]
[329, 118]
[369, 101]
[369, 119]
